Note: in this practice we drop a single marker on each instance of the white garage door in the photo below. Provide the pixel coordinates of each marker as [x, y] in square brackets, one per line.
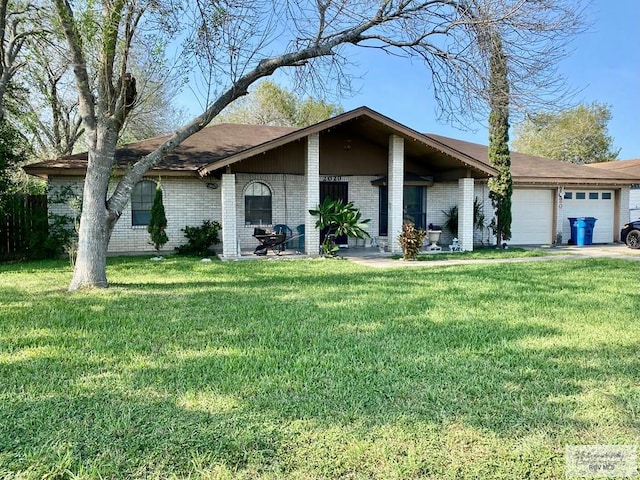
[590, 203]
[531, 216]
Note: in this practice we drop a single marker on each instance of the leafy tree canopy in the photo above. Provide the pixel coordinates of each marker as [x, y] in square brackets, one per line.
[270, 104]
[578, 135]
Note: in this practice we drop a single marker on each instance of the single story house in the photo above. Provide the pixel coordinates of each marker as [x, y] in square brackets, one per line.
[247, 176]
[628, 167]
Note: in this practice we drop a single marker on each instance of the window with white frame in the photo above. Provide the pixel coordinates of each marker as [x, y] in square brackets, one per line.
[257, 204]
[141, 202]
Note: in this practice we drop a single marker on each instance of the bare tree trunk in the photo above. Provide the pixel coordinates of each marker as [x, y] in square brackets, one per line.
[96, 221]
[234, 43]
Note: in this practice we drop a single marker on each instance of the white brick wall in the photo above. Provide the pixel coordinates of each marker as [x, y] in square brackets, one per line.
[634, 203]
[625, 204]
[312, 194]
[187, 201]
[465, 213]
[396, 190]
[289, 204]
[56, 186]
[229, 217]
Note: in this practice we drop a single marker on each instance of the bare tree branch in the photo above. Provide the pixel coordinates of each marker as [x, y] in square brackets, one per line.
[234, 43]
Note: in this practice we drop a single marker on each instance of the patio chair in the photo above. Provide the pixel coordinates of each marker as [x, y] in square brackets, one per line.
[300, 230]
[282, 228]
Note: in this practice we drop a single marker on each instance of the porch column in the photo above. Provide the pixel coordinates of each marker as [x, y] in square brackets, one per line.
[229, 229]
[312, 175]
[556, 232]
[465, 213]
[396, 190]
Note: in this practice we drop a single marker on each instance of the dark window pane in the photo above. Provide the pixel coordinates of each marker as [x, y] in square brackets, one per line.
[606, 195]
[141, 202]
[568, 195]
[384, 212]
[593, 195]
[140, 217]
[580, 195]
[257, 204]
[414, 210]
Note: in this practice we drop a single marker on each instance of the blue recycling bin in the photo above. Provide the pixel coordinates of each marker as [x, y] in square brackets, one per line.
[582, 230]
[574, 230]
[588, 234]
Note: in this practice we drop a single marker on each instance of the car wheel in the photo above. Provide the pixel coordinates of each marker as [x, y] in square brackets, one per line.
[633, 239]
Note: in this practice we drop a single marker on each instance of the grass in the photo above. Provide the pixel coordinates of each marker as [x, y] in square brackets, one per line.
[315, 369]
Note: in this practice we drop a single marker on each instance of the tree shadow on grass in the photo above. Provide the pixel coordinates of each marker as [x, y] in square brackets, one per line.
[222, 371]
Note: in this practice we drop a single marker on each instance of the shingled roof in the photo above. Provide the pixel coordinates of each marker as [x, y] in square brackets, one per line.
[209, 145]
[628, 167]
[539, 170]
[219, 145]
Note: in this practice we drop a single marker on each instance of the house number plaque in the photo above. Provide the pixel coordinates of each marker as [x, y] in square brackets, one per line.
[332, 179]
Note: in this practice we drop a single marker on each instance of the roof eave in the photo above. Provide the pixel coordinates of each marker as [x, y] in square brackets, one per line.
[572, 181]
[467, 161]
[45, 172]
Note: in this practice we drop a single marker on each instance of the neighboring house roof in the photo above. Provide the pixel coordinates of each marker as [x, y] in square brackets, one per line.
[218, 146]
[628, 167]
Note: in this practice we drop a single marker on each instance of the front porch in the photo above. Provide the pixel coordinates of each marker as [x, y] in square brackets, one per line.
[360, 157]
[363, 192]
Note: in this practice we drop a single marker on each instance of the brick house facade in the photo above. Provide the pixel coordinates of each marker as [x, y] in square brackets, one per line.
[372, 157]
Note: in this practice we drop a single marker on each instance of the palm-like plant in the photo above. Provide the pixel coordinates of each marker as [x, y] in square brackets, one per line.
[451, 222]
[337, 219]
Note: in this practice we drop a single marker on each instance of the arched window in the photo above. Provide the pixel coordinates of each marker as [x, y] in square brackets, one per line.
[257, 204]
[141, 202]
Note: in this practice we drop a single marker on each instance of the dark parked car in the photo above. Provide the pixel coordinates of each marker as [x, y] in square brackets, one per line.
[630, 234]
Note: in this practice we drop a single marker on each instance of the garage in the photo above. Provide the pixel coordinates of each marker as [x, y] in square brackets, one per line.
[531, 216]
[590, 203]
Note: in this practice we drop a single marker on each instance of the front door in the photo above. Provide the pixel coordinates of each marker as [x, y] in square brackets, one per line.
[334, 191]
[414, 206]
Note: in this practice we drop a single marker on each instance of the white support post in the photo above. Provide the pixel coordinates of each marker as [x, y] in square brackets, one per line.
[396, 191]
[558, 216]
[465, 213]
[312, 175]
[230, 250]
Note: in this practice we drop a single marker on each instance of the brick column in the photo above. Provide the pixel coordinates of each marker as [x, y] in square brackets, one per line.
[229, 216]
[465, 213]
[312, 175]
[396, 190]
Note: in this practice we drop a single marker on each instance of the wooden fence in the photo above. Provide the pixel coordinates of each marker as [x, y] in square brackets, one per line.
[23, 224]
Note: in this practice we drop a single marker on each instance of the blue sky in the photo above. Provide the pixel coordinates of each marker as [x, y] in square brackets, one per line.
[604, 66]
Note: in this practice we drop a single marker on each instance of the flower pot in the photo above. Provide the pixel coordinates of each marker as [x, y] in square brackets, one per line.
[433, 237]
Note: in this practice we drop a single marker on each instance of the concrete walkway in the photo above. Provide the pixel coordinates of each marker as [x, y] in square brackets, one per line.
[372, 257]
[566, 252]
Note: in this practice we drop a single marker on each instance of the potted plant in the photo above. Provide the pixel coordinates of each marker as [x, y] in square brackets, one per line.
[451, 223]
[410, 240]
[338, 218]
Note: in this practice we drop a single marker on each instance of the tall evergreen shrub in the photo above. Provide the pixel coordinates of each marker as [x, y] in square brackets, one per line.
[158, 222]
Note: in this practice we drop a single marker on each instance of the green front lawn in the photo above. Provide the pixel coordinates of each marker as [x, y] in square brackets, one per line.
[316, 369]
